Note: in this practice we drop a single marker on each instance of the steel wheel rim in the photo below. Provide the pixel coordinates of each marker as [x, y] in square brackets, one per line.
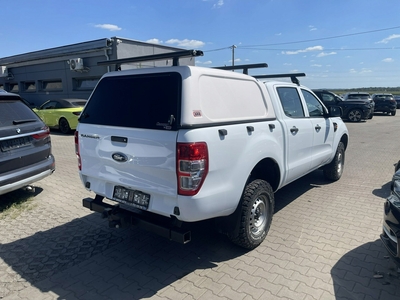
[258, 216]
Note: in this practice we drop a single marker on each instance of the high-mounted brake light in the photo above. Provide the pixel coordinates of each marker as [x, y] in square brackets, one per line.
[78, 156]
[191, 167]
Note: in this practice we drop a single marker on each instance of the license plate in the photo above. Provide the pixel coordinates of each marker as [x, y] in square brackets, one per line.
[131, 197]
[15, 143]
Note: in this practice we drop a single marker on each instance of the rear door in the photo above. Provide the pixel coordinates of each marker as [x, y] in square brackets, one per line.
[298, 133]
[127, 134]
[322, 129]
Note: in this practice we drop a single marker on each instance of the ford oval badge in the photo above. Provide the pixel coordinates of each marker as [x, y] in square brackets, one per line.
[119, 157]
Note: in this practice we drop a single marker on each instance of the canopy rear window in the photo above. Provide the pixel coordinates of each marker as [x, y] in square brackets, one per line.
[138, 101]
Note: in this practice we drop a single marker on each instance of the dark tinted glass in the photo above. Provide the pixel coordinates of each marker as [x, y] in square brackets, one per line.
[15, 111]
[291, 102]
[139, 101]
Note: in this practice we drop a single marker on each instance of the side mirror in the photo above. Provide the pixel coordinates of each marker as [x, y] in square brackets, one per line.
[335, 111]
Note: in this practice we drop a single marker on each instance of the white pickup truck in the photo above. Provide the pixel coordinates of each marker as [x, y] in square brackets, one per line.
[174, 145]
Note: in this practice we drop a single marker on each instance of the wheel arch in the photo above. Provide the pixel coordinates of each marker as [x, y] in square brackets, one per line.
[266, 169]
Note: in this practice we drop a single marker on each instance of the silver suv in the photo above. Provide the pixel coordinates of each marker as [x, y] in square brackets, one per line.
[25, 145]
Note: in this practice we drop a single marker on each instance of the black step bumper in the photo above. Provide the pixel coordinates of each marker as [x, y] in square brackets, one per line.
[118, 217]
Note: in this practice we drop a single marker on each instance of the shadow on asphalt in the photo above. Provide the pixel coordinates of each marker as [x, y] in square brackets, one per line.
[84, 259]
[294, 190]
[78, 259]
[366, 270]
[384, 191]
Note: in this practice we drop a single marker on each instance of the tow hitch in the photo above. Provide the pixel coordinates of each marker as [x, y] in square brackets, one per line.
[119, 218]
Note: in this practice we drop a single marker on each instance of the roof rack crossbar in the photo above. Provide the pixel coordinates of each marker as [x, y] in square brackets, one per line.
[171, 55]
[292, 76]
[245, 68]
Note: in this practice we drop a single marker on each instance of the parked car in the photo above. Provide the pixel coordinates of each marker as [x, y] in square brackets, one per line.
[352, 96]
[353, 110]
[385, 103]
[391, 219]
[61, 114]
[397, 99]
[25, 145]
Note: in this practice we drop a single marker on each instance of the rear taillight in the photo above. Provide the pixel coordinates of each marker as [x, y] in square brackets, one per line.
[191, 167]
[78, 156]
[42, 135]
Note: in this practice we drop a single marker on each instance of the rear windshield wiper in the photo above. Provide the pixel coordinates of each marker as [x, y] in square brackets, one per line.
[16, 122]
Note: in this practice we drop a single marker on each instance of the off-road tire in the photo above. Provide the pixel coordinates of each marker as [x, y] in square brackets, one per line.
[334, 170]
[63, 125]
[354, 115]
[256, 211]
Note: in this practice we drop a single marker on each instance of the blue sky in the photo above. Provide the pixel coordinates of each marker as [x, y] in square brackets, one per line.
[338, 44]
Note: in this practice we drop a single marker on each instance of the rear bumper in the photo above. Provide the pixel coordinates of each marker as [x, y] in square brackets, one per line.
[118, 217]
[385, 108]
[19, 179]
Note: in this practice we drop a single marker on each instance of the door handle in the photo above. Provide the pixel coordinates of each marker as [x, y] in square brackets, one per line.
[294, 129]
[318, 128]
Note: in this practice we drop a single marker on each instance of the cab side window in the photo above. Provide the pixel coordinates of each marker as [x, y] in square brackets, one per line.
[315, 108]
[291, 102]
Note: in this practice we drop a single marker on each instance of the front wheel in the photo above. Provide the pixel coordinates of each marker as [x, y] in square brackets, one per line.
[354, 115]
[393, 113]
[63, 125]
[334, 170]
[256, 211]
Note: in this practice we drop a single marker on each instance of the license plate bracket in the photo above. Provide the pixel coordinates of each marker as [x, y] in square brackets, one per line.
[131, 197]
[16, 143]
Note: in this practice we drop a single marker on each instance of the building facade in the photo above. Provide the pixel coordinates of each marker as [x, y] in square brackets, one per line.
[71, 71]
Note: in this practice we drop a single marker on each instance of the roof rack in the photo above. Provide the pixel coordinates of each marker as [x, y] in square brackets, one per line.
[245, 68]
[292, 76]
[171, 55]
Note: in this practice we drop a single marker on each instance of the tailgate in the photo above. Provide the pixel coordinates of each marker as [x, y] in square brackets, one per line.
[137, 159]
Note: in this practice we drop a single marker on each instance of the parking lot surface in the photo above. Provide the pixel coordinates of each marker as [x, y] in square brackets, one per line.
[323, 242]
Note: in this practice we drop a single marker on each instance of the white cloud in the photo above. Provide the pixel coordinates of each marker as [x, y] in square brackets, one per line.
[186, 43]
[316, 65]
[109, 27]
[315, 48]
[312, 28]
[322, 54]
[278, 34]
[154, 41]
[208, 62]
[219, 4]
[352, 71]
[388, 60]
[287, 64]
[364, 70]
[386, 40]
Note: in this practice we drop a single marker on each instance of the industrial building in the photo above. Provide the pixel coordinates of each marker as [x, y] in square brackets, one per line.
[72, 71]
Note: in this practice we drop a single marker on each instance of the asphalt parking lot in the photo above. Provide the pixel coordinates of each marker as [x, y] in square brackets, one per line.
[323, 242]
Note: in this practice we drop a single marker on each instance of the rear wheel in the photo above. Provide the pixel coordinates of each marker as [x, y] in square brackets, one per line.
[334, 170]
[256, 211]
[393, 113]
[63, 125]
[354, 115]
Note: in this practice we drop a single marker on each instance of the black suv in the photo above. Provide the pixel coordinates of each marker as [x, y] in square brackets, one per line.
[385, 103]
[353, 110]
[25, 145]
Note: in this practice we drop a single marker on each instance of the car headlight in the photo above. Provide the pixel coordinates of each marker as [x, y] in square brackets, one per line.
[396, 183]
[394, 200]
